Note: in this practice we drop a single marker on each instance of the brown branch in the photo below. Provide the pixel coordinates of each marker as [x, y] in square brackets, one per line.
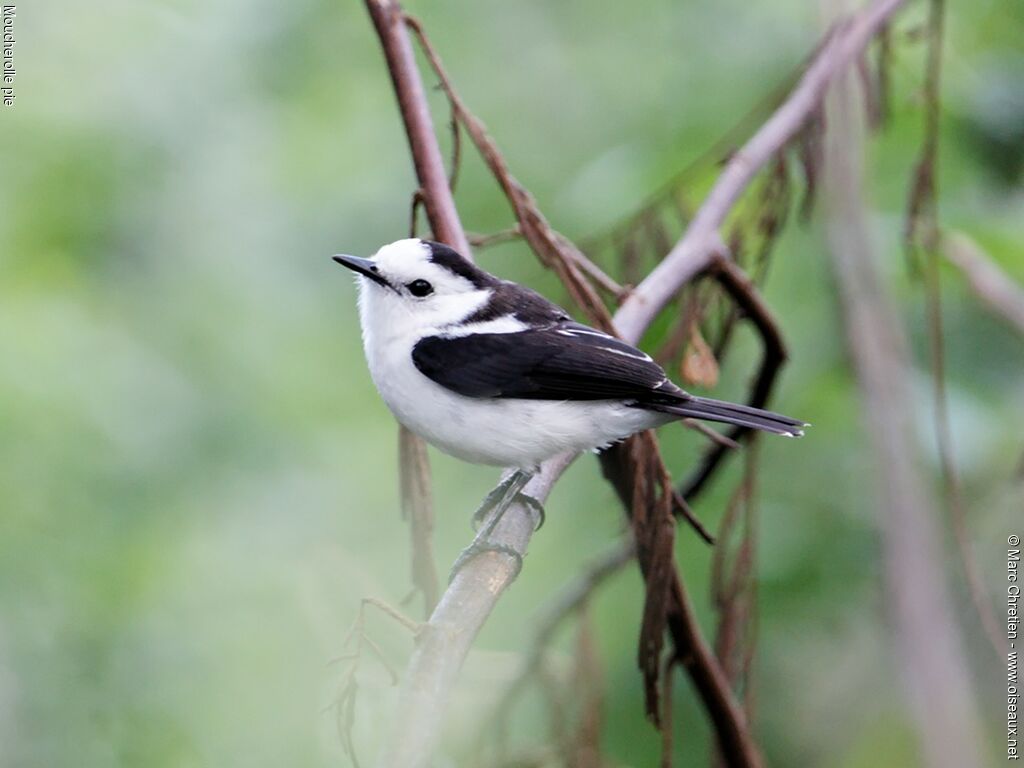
[746, 296]
[419, 126]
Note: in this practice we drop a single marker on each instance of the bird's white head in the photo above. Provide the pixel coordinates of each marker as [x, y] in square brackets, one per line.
[416, 287]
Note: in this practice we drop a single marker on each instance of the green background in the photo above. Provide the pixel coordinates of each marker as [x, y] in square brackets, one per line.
[198, 481]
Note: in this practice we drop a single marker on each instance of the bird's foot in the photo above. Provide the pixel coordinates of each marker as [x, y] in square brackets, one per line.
[495, 497]
[478, 547]
[500, 499]
[489, 514]
[535, 505]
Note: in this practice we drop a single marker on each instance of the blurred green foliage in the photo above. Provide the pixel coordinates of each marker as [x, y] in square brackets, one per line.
[198, 479]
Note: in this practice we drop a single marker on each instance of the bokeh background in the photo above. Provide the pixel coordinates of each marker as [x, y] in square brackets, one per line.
[198, 482]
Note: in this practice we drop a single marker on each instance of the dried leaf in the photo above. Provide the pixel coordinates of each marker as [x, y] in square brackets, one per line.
[699, 366]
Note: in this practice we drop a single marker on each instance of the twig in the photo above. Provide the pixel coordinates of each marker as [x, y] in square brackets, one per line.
[598, 275]
[688, 514]
[345, 703]
[495, 238]
[419, 126]
[747, 298]
[445, 640]
[990, 284]
[456, 161]
[928, 642]
[694, 251]
[712, 434]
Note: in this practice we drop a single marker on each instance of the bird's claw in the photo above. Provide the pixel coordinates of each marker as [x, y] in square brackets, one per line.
[536, 506]
[479, 547]
[490, 503]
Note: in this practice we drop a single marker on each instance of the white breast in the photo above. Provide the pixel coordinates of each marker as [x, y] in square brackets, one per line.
[500, 432]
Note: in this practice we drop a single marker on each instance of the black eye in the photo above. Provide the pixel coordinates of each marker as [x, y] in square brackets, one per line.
[420, 288]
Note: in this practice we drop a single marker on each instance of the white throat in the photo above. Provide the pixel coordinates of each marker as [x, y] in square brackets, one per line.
[386, 319]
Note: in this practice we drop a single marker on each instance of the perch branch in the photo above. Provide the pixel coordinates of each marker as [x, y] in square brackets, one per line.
[464, 607]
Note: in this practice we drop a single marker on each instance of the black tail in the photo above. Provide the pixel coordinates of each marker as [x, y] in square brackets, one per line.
[731, 413]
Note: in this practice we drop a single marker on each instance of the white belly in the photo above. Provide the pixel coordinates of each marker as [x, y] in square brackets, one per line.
[502, 432]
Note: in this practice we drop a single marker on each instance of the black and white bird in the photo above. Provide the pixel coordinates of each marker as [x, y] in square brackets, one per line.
[491, 372]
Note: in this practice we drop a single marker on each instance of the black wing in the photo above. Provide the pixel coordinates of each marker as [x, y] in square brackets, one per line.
[566, 361]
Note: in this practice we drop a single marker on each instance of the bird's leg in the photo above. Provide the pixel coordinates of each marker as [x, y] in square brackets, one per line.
[492, 510]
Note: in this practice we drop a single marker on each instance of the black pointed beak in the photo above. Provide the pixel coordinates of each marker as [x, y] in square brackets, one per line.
[365, 267]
